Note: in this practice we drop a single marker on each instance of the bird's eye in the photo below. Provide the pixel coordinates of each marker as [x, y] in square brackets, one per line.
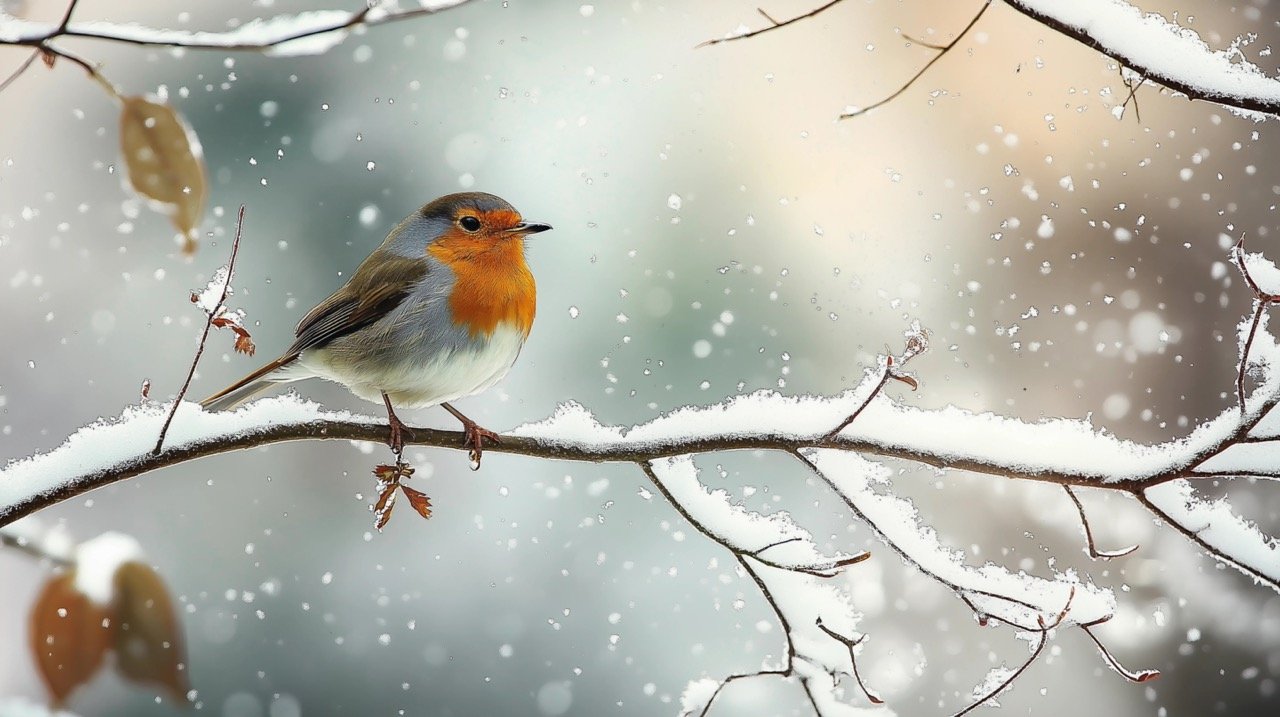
[469, 223]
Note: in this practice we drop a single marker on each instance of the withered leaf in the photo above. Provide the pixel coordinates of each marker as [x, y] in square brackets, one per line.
[68, 638]
[163, 158]
[244, 343]
[48, 58]
[418, 500]
[382, 512]
[909, 380]
[146, 636]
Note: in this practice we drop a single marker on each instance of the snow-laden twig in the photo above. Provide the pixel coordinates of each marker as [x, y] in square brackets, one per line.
[213, 311]
[305, 33]
[312, 32]
[1160, 50]
[1152, 48]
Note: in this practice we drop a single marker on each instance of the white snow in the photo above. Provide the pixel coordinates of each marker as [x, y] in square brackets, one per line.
[117, 443]
[734, 525]
[1218, 526]
[1263, 272]
[97, 560]
[957, 436]
[898, 525]
[325, 24]
[1149, 42]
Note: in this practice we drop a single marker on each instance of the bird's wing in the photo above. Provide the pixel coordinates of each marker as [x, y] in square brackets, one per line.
[377, 287]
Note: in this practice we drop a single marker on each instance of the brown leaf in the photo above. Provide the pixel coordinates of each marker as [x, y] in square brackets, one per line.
[147, 636]
[909, 380]
[418, 500]
[162, 155]
[244, 344]
[48, 58]
[382, 513]
[68, 637]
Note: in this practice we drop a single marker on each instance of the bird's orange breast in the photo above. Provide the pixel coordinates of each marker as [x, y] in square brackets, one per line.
[493, 284]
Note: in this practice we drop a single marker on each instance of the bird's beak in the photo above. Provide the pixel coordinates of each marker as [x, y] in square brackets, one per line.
[526, 228]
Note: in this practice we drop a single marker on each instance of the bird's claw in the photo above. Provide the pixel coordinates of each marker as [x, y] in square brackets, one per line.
[474, 436]
[395, 440]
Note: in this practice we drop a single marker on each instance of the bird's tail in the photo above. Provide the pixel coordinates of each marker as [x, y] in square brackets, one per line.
[246, 388]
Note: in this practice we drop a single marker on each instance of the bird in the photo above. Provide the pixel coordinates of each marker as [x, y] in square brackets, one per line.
[440, 310]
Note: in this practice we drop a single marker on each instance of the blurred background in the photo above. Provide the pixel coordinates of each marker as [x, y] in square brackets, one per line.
[718, 231]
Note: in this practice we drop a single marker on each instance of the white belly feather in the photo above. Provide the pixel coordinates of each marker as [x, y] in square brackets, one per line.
[415, 383]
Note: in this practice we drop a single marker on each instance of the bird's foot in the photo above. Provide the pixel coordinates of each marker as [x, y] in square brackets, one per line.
[473, 437]
[395, 439]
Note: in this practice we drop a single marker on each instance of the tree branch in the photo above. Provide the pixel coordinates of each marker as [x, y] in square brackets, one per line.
[1241, 86]
[254, 35]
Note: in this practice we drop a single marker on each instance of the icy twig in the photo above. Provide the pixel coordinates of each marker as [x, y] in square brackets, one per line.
[274, 35]
[1043, 639]
[851, 644]
[1136, 677]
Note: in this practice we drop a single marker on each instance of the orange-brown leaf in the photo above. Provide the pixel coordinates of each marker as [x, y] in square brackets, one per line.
[147, 636]
[48, 58]
[162, 156]
[244, 344]
[382, 512]
[68, 638]
[418, 500]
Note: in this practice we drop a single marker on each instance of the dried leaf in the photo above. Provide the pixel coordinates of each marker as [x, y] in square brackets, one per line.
[244, 344]
[418, 500]
[162, 155]
[385, 492]
[48, 58]
[382, 514]
[907, 379]
[147, 636]
[68, 638]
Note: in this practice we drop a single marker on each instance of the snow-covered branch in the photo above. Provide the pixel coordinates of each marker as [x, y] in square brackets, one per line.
[840, 439]
[1160, 51]
[306, 33]
[1152, 47]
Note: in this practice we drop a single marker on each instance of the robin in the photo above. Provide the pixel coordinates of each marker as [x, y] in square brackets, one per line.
[440, 310]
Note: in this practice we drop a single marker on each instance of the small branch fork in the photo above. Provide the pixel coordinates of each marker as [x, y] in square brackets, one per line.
[941, 50]
[43, 43]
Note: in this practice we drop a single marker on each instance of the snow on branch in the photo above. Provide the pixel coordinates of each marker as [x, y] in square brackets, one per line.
[307, 33]
[1153, 48]
[1162, 51]
[837, 438]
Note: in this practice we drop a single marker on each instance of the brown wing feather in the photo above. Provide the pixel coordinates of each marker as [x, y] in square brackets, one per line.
[377, 287]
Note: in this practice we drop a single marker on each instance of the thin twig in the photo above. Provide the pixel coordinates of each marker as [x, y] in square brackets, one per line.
[1261, 300]
[875, 391]
[21, 69]
[204, 337]
[904, 555]
[1138, 677]
[1088, 532]
[1043, 631]
[26, 546]
[872, 697]
[775, 26]
[942, 51]
[136, 36]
